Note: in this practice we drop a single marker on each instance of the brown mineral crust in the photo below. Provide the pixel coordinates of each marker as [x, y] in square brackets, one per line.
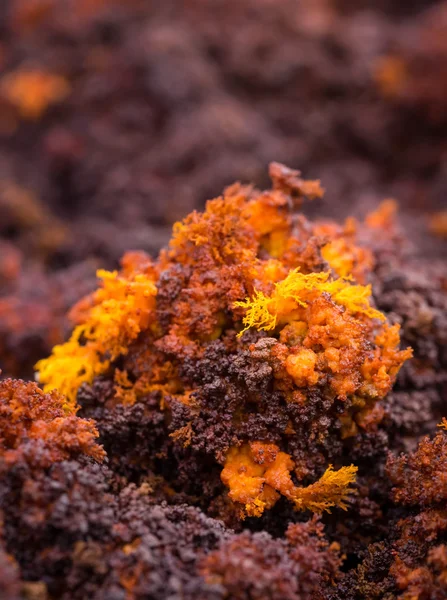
[370, 579]
[177, 552]
[154, 551]
[413, 293]
[45, 492]
[124, 432]
[65, 522]
[419, 477]
[47, 511]
[254, 566]
[419, 566]
[411, 562]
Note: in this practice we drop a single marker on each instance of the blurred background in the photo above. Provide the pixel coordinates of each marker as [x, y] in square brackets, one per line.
[118, 117]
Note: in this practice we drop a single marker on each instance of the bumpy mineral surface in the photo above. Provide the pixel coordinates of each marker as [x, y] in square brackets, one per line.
[251, 415]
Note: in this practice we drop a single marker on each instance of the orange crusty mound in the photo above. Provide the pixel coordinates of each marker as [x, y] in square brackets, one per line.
[281, 309]
[51, 432]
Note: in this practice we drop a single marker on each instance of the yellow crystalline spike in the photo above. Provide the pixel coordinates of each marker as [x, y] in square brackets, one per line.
[297, 289]
[332, 489]
[257, 312]
[68, 367]
[122, 308]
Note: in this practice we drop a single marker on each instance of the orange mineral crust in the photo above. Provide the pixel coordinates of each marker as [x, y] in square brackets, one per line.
[257, 474]
[245, 332]
[31, 420]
